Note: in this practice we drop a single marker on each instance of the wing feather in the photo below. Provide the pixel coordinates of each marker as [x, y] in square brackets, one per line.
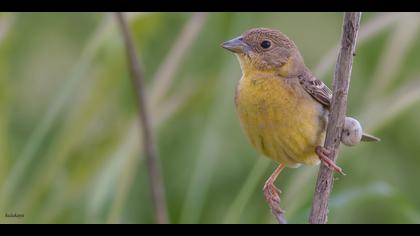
[316, 88]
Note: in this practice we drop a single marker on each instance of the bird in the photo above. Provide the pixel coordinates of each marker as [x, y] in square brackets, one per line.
[282, 107]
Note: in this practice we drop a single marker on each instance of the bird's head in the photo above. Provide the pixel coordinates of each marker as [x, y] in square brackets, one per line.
[263, 49]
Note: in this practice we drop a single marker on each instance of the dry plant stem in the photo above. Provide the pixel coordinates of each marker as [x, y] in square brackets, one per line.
[152, 158]
[351, 23]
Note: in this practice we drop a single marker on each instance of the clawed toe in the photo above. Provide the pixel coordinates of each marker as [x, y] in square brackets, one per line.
[271, 194]
[323, 155]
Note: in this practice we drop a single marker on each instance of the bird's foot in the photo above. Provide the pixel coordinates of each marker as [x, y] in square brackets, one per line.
[323, 154]
[272, 195]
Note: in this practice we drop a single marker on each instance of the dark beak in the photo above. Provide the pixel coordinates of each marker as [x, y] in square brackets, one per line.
[236, 45]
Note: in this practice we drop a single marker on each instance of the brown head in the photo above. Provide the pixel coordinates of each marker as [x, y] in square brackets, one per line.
[263, 49]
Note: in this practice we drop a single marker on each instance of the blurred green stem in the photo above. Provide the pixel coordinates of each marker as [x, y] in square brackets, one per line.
[151, 153]
[209, 149]
[36, 138]
[371, 28]
[127, 173]
[235, 211]
[400, 41]
[81, 119]
[6, 22]
[167, 70]
[162, 109]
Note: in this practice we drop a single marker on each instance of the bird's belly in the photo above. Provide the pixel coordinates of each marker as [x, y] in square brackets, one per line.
[283, 125]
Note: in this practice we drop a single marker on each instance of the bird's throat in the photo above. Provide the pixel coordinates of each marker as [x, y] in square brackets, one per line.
[249, 68]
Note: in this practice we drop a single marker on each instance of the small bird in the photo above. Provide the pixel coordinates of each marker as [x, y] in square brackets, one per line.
[283, 108]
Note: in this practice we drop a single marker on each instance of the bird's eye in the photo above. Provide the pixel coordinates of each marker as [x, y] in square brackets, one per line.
[265, 44]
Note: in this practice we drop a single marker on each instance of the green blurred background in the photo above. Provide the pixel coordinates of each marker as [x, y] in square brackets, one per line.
[70, 145]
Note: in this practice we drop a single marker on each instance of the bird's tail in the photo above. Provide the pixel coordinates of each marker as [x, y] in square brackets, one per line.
[369, 138]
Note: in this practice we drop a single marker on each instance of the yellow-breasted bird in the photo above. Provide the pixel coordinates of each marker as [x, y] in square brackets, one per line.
[283, 108]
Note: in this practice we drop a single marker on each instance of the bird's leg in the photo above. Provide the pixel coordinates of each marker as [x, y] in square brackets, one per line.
[272, 193]
[323, 154]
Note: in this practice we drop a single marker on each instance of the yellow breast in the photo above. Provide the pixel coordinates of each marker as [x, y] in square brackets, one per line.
[280, 119]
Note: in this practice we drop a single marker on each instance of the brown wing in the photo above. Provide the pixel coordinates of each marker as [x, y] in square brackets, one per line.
[316, 88]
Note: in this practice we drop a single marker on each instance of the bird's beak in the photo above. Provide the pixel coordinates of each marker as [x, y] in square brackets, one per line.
[236, 45]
